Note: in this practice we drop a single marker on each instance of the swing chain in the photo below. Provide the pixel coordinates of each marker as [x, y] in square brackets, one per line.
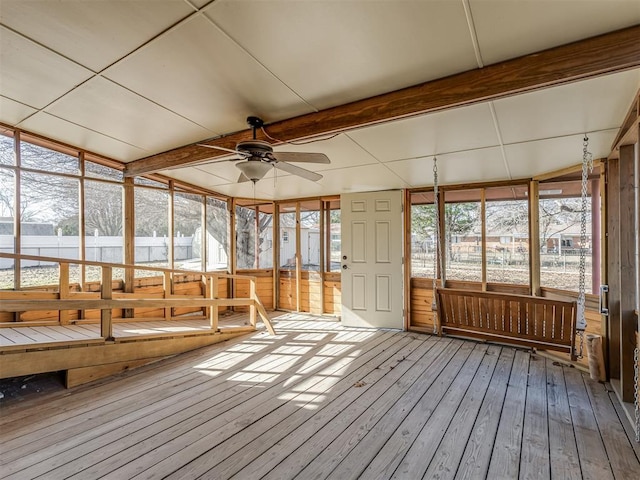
[436, 253]
[587, 168]
[636, 392]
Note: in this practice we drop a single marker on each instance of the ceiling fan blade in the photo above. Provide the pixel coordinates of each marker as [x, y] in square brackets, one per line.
[215, 147]
[295, 170]
[243, 178]
[301, 157]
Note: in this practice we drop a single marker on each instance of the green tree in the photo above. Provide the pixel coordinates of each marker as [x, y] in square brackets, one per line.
[460, 219]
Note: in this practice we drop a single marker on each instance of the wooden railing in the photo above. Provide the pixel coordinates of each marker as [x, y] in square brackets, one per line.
[64, 301]
[516, 319]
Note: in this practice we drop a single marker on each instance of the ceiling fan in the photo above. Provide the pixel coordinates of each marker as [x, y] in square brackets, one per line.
[257, 158]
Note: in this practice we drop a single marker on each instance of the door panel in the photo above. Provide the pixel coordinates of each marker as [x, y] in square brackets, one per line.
[372, 245]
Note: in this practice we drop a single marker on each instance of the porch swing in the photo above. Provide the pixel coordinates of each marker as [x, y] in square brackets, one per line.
[525, 320]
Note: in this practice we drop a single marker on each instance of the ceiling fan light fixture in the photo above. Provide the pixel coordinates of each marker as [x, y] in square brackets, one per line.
[253, 170]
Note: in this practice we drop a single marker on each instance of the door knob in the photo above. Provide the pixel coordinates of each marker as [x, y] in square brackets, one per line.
[344, 267]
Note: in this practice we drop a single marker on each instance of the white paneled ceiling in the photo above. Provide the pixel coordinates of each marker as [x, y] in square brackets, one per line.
[129, 79]
[332, 53]
[508, 29]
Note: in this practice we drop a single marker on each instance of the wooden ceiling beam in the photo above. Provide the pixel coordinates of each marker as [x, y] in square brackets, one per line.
[609, 53]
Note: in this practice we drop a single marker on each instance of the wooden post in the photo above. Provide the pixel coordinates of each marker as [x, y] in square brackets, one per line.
[276, 256]
[483, 234]
[604, 263]
[298, 261]
[534, 238]
[323, 253]
[204, 260]
[595, 356]
[17, 226]
[106, 293]
[212, 284]
[128, 206]
[231, 204]
[595, 235]
[442, 240]
[613, 265]
[167, 291]
[254, 297]
[407, 259]
[63, 291]
[627, 271]
[171, 224]
[81, 216]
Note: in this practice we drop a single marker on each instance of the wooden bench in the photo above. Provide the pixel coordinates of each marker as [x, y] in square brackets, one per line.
[515, 319]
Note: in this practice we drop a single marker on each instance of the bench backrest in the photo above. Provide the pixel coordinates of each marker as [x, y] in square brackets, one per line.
[518, 319]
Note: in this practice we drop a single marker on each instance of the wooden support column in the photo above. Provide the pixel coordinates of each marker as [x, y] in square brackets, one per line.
[442, 240]
[212, 292]
[595, 235]
[233, 241]
[81, 216]
[407, 258]
[63, 291]
[604, 263]
[534, 238]
[323, 252]
[483, 235]
[129, 231]
[628, 235]
[106, 293]
[17, 226]
[276, 256]
[613, 265]
[298, 261]
[167, 290]
[254, 296]
[171, 224]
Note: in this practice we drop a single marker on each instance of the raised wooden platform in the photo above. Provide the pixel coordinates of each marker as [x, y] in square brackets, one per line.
[319, 400]
[79, 349]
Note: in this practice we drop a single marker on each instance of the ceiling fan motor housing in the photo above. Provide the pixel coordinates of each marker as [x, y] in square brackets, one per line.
[255, 148]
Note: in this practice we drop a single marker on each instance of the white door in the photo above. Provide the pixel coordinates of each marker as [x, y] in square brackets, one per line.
[371, 225]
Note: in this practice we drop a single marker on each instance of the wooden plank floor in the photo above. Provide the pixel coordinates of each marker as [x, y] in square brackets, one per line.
[319, 400]
[31, 336]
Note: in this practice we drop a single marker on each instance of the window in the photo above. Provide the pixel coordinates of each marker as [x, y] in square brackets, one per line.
[217, 236]
[7, 155]
[45, 159]
[103, 222]
[560, 210]
[254, 233]
[310, 235]
[463, 235]
[95, 170]
[507, 234]
[285, 236]
[187, 231]
[333, 246]
[49, 225]
[423, 235]
[151, 228]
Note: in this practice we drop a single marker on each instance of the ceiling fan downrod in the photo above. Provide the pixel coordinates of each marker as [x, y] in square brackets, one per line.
[255, 123]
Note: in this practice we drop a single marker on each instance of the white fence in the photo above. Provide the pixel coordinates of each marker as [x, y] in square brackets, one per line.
[99, 249]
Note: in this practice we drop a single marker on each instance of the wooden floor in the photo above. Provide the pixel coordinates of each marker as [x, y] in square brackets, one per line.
[36, 335]
[319, 400]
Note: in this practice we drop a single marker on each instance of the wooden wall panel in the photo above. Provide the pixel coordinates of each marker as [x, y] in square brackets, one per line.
[311, 292]
[264, 289]
[287, 297]
[332, 297]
